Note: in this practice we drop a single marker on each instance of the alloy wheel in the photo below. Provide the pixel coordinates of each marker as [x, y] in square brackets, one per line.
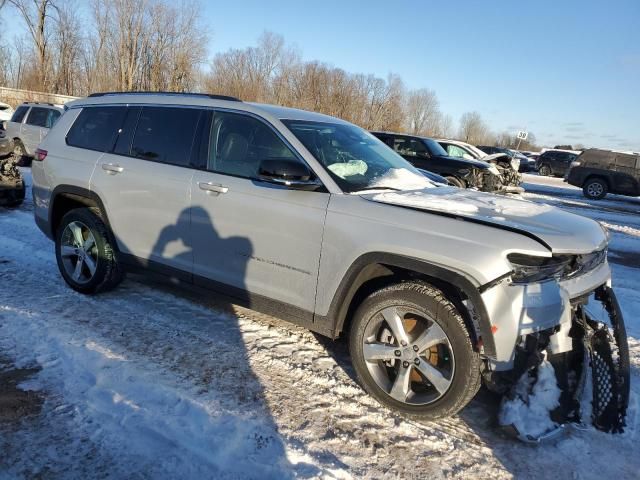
[595, 189]
[79, 252]
[408, 355]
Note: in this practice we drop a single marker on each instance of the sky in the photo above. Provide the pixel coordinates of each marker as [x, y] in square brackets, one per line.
[568, 71]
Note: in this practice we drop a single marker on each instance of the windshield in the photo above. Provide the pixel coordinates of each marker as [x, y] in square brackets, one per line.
[434, 147]
[355, 159]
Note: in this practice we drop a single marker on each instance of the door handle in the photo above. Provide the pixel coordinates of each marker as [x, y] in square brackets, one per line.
[112, 168]
[213, 187]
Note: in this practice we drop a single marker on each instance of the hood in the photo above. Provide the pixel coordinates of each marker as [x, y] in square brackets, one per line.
[464, 161]
[560, 231]
[495, 156]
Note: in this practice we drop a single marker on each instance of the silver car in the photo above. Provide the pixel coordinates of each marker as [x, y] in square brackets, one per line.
[29, 124]
[315, 220]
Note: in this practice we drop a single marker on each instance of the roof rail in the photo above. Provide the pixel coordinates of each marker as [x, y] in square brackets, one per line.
[39, 103]
[189, 94]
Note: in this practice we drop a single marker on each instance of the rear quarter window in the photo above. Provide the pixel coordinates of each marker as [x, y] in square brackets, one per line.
[96, 128]
[19, 114]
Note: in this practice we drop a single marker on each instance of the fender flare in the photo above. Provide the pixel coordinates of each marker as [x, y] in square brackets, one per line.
[79, 194]
[358, 273]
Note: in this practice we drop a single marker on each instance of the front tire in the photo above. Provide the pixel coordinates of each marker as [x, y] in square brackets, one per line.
[85, 252]
[412, 351]
[456, 182]
[544, 170]
[595, 189]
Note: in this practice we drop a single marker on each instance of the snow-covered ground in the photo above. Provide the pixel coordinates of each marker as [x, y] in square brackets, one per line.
[150, 382]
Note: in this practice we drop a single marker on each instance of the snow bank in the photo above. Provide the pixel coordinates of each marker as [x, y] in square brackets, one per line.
[529, 410]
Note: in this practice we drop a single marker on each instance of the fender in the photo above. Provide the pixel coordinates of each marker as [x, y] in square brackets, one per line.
[357, 274]
[80, 195]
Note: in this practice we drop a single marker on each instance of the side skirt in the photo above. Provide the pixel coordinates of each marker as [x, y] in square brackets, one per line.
[199, 285]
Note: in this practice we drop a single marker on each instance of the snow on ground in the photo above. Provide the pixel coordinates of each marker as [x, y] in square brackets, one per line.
[151, 382]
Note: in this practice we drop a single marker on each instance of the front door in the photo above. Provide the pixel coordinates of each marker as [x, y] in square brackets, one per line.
[145, 184]
[252, 238]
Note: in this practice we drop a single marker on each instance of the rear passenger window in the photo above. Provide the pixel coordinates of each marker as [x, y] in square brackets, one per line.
[165, 134]
[19, 114]
[96, 128]
[38, 117]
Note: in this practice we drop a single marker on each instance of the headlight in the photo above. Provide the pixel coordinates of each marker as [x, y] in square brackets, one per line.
[530, 269]
[574, 164]
[493, 169]
[515, 163]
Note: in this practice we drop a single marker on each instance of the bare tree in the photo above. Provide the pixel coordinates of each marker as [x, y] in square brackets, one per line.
[37, 17]
[472, 128]
[422, 112]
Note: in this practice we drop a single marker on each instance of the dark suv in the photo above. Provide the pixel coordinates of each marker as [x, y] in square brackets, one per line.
[601, 171]
[555, 162]
[427, 154]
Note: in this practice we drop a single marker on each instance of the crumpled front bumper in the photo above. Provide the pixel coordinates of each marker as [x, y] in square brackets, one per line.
[516, 309]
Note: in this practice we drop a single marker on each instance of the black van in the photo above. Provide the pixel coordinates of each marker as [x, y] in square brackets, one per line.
[599, 172]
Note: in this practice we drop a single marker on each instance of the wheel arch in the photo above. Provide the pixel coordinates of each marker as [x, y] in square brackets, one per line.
[599, 176]
[67, 197]
[376, 270]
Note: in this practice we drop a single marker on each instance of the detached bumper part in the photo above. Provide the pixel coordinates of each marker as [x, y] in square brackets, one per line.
[588, 351]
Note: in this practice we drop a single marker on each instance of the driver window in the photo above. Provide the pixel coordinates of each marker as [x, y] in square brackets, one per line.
[239, 143]
[455, 151]
[409, 147]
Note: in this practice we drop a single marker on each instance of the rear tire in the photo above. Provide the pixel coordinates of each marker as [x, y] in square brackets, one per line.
[544, 170]
[439, 380]
[456, 182]
[595, 189]
[85, 252]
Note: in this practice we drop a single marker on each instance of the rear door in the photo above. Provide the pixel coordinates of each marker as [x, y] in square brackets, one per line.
[34, 128]
[145, 185]
[255, 240]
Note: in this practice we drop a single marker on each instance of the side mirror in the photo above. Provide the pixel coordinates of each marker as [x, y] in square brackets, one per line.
[289, 173]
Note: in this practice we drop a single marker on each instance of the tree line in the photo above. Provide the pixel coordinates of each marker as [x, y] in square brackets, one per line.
[153, 45]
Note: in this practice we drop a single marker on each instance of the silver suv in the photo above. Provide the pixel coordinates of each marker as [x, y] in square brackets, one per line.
[29, 124]
[314, 220]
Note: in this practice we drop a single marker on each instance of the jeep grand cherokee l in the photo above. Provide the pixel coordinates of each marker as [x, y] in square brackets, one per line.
[317, 221]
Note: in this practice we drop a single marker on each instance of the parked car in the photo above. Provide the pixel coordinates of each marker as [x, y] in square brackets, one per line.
[6, 111]
[555, 162]
[506, 165]
[28, 125]
[427, 154]
[313, 219]
[599, 172]
[6, 144]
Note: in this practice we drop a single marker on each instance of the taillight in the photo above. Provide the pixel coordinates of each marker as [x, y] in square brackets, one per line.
[40, 154]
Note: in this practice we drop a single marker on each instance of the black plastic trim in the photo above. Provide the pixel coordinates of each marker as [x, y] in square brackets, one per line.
[338, 310]
[238, 296]
[177, 94]
[77, 193]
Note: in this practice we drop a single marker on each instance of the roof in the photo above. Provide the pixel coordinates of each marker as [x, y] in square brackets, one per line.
[197, 99]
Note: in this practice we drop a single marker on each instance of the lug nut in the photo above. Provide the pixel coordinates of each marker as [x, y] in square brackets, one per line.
[403, 343]
[405, 364]
[415, 348]
[417, 361]
[398, 353]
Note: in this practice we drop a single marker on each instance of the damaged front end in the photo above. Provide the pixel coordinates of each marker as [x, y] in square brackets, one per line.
[570, 364]
[12, 186]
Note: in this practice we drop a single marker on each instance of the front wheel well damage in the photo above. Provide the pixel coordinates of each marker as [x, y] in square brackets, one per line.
[376, 276]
